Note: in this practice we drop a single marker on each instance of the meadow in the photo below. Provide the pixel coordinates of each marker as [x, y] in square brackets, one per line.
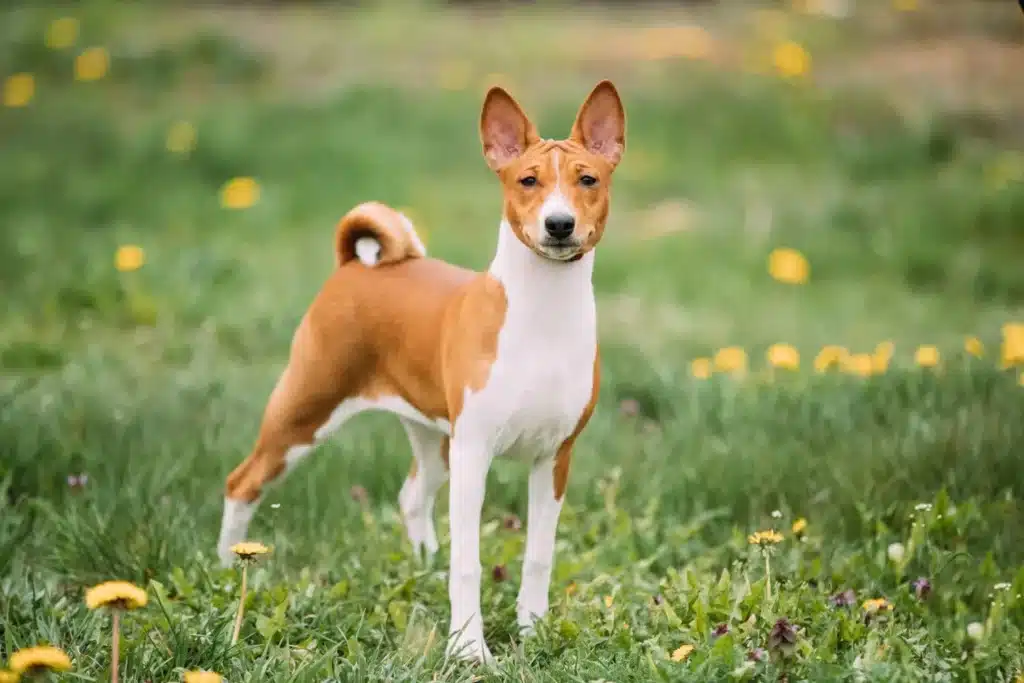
[811, 314]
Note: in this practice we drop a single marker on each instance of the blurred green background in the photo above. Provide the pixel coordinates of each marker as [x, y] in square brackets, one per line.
[171, 174]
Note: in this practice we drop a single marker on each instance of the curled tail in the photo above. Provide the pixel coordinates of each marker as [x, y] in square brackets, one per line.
[374, 233]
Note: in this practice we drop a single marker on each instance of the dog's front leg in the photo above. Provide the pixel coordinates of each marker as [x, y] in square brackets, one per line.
[469, 461]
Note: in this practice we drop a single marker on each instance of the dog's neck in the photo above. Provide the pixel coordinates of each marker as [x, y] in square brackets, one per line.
[542, 293]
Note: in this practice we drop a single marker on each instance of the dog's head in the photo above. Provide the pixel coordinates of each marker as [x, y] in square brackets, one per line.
[556, 191]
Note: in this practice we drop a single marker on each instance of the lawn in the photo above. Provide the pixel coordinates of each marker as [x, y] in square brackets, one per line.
[170, 182]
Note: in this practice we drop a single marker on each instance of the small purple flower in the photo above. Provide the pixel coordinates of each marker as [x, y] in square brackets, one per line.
[77, 481]
[720, 630]
[499, 573]
[512, 523]
[843, 598]
[782, 637]
[922, 587]
[757, 655]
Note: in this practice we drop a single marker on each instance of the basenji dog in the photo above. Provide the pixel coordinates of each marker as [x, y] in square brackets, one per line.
[475, 365]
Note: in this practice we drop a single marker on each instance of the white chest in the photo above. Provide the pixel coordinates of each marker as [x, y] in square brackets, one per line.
[542, 378]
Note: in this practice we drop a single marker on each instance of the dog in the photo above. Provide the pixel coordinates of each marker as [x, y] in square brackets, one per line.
[475, 365]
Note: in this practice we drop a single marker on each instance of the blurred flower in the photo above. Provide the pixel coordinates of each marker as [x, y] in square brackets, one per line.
[927, 356]
[860, 364]
[8, 676]
[454, 75]
[499, 573]
[799, 526]
[701, 368]
[239, 193]
[19, 89]
[776, 514]
[731, 359]
[630, 407]
[1002, 586]
[784, 356]
[922, 587]
[682, 652]
[975, 631]
[762, 538]
[720, 630]
[76, 481]
[608, 601]
[512, 523]
[62, 33]
[789, 266]
[881, 357]
[115, 594]
[905, 5]
[92, 64]
[249, 550]
[791, 59]
[782, 637]
[1013, 344]
[843, 598]
[38, 659]
[757, 655]
[181, 137]
[202, 677]
[829, 357]
[895, 552]
[973, 346]
[129, 257]
[876, 605]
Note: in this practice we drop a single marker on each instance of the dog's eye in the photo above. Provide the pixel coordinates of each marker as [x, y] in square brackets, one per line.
[528, 181]
[588, 180]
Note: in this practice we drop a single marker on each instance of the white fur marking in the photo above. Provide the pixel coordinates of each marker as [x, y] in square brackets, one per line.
[416, 499]
[368, 250]
[518, 411]
[556, 203]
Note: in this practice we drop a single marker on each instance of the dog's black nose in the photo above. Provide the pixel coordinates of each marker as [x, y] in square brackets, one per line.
[559, 226]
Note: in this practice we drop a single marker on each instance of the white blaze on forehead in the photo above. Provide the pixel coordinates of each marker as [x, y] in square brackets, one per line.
[556, 203]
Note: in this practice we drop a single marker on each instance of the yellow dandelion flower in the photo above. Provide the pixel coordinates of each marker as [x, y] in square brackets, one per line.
[791, 60]
[454, 75]
[129, 257]
[117, 594]
[788, 266]
[927, 356]
[701, 368]
[62, 33]
[861, 364]
[181, 137]
[239, 193]
[202, 677]
[800, 526]
[19, 89]
[249, 550]
[1012, 352]
[682, 652]
[92, 64]
[731, 359]
[876, 605]
[973, 346]
[784, 356]
[767, 537]
[37, 659]
[881, 357]
[9, 676]
[829, 357]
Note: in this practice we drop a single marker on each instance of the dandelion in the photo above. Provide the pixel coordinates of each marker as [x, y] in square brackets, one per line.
[973, 346]
[118, 596]
[896, 552]
[92, 64]
[62, 33]
[19, 89]
[765, 539]
[861, 364]
[876, 605]
[975, 631]
[247, 552]
[129, 257]
[181, 137]
[8, 676]
[881, 357]
[784, 356]
[682, 652]
[791, 59]
[39, 659]
[829, 357]
[239, 193]
[927, 356]
[788, 266]
[731, 359]
[202, 677]
[1013, 344]
[799, 526]
[701, 368]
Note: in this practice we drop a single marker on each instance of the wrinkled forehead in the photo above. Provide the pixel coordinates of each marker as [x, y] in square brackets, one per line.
[556, 153]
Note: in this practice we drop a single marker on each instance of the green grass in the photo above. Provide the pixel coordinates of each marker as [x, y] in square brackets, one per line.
[152, 382]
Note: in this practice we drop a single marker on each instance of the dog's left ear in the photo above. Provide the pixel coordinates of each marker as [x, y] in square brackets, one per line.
[601, 123]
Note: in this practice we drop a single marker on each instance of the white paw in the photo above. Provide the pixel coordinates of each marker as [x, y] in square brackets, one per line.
[469, 648]
[527, 620]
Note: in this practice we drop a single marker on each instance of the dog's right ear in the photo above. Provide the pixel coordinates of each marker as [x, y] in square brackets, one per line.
[505, 130]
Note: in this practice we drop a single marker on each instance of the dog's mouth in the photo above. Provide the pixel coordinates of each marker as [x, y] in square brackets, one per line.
[560, 250]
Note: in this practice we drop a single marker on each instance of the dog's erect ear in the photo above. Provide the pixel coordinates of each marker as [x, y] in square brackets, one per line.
[601, 123]
[505, 130]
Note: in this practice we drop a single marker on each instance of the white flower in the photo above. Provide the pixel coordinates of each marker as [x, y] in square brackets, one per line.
[896, 552]
[975, 631]
[920, 507]
[777, 514]
[1001, 586]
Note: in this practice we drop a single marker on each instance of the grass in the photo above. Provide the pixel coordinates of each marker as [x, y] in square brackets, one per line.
[152, 382]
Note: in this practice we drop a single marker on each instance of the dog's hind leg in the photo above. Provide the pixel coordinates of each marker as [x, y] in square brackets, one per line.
[416, 499]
